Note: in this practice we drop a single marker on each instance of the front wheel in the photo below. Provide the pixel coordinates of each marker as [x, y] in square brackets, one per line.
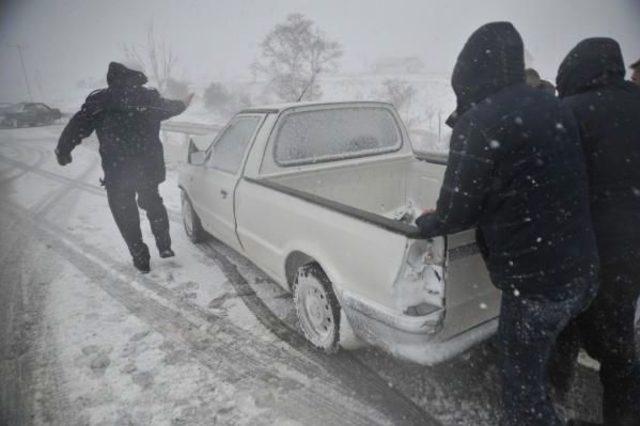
[317, 308]
[191, 221]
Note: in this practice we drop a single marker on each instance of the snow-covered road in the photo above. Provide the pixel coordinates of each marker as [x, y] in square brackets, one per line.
[205, 338]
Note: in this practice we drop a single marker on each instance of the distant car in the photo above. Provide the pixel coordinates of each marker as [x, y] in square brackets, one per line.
[28, 114]
[4, 106]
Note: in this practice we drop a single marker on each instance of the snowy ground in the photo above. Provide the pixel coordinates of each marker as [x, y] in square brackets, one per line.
[206, 338]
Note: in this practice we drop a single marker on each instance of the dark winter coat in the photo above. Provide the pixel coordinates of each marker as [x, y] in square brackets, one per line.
[126, 117]
[591, 83]
[515, 171]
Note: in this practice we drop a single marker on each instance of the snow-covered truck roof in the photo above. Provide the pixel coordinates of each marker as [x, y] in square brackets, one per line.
[277, 108]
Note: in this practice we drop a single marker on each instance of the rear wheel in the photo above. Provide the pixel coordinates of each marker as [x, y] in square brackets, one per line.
[317, 308]
[191, 221]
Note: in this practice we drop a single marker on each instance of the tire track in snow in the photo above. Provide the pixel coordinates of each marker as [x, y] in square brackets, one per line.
[30, 379]
[74, 183]
[53, 176]
[346, 367]
[41, 159]
[47, 203]
[13, 380]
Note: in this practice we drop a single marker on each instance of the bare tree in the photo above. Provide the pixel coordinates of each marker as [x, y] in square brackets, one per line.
[430, 112]
[293, 55]
[156, 58]
[400, 94]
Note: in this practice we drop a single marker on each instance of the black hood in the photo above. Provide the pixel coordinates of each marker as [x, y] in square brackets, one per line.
[492, 59]
[121, 76]
[594, 62]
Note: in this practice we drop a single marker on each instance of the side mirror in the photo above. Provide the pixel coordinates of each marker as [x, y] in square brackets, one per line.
[195, 156]
[192, 147]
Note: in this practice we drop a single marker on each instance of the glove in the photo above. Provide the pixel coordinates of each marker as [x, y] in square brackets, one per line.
[63, 159]
[427, 223]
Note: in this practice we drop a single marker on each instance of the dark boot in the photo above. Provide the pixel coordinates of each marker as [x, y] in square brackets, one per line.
[160, 230]
[140, 255]
[166, 253]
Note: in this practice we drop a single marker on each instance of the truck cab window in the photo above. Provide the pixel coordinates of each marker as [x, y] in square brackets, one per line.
[335, 134]
[229, 150]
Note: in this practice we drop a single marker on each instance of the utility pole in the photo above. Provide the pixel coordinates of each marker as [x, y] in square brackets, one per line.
[24, 69]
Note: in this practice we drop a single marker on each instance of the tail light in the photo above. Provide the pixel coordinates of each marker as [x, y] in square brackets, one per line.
[419, 287]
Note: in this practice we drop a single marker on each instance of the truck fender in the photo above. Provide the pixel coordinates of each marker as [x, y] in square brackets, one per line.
[300, 254]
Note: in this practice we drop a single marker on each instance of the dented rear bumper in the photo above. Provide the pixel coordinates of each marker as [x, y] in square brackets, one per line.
[413, 338]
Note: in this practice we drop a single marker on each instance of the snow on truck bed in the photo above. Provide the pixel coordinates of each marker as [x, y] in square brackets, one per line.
[396, 188]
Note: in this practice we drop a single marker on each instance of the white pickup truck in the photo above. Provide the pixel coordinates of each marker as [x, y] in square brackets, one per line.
[321, 197]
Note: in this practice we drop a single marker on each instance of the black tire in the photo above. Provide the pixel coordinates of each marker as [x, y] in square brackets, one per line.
[191, 221]
[324, 332]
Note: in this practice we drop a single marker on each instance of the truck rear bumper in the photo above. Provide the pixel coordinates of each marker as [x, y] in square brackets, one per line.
[413, 338]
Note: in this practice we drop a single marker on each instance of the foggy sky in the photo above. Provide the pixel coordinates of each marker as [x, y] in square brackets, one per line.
[69, 40]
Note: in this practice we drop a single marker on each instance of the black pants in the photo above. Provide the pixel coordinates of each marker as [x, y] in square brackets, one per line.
[606, 331]
[528, 328]
[122, 188]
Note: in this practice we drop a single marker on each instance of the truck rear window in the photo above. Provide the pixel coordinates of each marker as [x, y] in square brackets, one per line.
[335, 134]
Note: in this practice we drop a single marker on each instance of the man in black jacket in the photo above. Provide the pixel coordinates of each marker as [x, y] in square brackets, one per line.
[591, 83]
[635, 74]
[126, 117]
[516, 172]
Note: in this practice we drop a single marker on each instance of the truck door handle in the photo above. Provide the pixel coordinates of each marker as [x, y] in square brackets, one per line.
[223, 193]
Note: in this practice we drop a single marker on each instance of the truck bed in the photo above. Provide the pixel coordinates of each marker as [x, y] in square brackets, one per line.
[379, 188]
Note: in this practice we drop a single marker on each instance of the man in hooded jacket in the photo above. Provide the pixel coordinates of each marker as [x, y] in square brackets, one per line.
[516, 173]
[635, 72]
[126, 117]
[591, 83]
